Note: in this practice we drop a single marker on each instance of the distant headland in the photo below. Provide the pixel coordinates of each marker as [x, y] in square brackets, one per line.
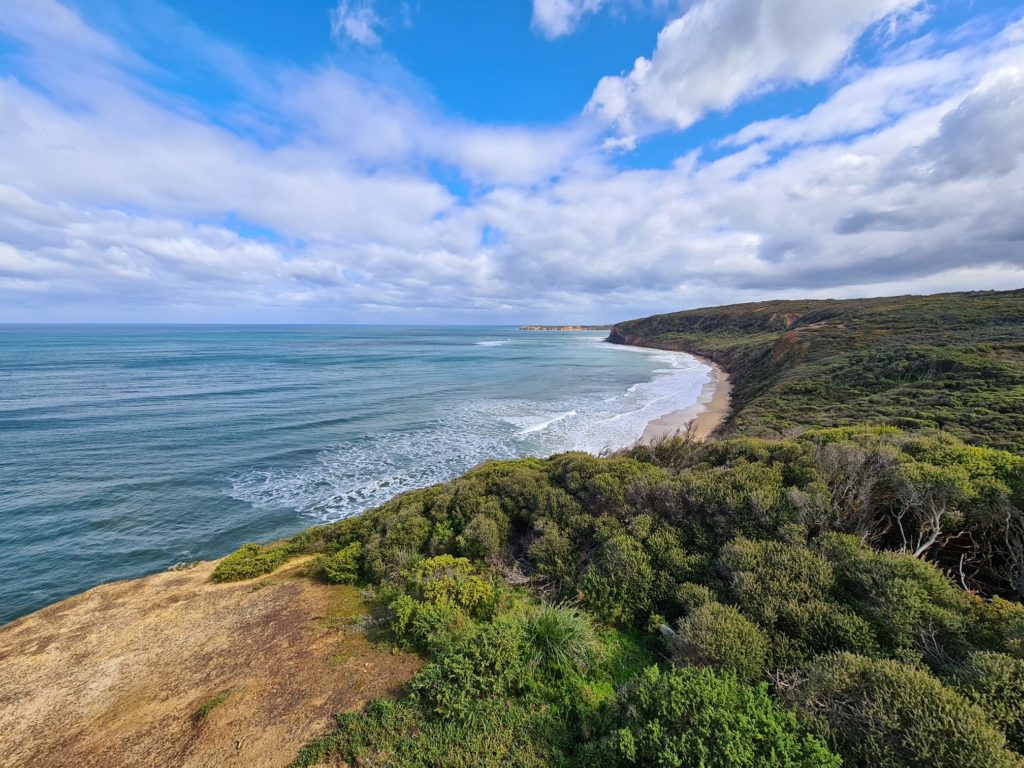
[565, 327]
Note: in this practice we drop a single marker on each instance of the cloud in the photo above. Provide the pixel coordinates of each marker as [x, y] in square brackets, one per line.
[356, 20]
[126, 203]
[721, 51]
[980, 138]
[556, 18]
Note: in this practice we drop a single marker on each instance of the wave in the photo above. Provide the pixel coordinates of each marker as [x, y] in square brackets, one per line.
[495, 343]
[367, 471]
[545, 424]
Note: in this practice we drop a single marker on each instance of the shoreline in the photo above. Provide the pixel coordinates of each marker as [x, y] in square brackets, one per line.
[700, 420]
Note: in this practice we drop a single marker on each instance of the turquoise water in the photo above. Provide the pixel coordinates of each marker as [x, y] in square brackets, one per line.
[127, 449]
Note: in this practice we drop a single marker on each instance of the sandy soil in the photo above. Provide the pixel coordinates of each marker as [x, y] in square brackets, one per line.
[116, 676]
[699, 420]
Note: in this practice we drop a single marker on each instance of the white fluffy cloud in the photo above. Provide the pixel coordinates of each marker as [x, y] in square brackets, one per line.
[119, 203]
[721, 51]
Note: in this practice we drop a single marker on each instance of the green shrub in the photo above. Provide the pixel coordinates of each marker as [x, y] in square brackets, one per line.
[341, 567]
[482, 539]
[453, 580]
[822, 626]
[485, 663]
[560, 640]
[250, 561]
[762, 576]
[618, 585]
[902, 597]
[552, 551]
[884, 714]
[696, 717]
[690, 596]
[719, 636]
[995, 682]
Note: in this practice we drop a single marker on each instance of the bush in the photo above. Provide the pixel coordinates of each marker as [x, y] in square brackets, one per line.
[765, 575]
[719, 636]
[814, 627]
[690, 596]
[696, 717]
[250, 561]
[902, 597]
[884, 714]
[341, 567]
[482, 539]
[560, 640]
[618, 584]
[995, 682]
[485, 663]
[452, 580]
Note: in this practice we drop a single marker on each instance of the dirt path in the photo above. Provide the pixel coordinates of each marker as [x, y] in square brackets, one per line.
[116, 676]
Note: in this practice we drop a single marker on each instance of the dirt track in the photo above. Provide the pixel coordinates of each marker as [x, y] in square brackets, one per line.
[116, 676]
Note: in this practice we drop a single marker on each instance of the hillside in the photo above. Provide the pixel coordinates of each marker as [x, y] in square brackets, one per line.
[953, 362]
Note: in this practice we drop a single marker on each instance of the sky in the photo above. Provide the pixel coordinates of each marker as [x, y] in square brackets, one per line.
[452, 161]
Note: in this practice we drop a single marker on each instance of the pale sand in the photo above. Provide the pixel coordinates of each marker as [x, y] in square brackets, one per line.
[699, 420]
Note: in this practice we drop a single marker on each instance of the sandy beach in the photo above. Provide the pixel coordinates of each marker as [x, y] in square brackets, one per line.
[702, 418]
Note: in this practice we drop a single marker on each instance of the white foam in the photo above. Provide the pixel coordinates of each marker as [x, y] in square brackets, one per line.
[366, 472]
[545, 424]
[494, 343]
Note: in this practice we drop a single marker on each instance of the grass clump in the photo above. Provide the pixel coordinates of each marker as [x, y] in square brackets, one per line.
[560, 640]
[209, 705]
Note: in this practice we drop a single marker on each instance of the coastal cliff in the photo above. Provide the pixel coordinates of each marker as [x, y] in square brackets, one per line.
[800, 364]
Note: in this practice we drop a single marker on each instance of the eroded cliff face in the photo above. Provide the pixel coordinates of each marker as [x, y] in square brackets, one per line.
[617, 336]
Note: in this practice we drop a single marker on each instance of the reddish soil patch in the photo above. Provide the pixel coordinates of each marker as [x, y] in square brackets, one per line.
[117, 676]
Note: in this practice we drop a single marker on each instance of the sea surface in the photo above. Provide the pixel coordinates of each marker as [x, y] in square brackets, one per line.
[127, 449]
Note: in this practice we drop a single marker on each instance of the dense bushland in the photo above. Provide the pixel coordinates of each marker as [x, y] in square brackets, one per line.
[952, 362]
[743, 602]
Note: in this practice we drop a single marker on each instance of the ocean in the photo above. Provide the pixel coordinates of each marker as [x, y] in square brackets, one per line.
[127, 449]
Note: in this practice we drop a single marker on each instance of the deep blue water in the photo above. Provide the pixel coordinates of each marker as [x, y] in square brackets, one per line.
[127, 449]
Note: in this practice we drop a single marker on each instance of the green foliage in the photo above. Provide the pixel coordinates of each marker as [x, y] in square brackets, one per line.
[905, 600]
[765, 576]
[482, 539]
[209, 705]
[618, 586]
[690, 596]
[341, 567]
[250, 561]
[560, 640]
[695, 717]
[995, 682]
[884, 714]
[769, 556]
[449, 580]
[719, 636]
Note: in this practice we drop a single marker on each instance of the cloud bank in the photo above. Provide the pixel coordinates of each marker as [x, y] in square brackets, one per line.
[329, 197]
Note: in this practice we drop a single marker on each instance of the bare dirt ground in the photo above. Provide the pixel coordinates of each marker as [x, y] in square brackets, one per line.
[117, 676]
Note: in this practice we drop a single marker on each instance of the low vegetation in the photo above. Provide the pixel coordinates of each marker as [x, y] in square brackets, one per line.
[951, 362]
[837, 594]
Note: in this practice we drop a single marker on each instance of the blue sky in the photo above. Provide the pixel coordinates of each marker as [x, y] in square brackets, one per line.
[554, 160]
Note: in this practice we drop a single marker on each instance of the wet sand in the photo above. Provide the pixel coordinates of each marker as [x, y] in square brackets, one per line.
[699, 420]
